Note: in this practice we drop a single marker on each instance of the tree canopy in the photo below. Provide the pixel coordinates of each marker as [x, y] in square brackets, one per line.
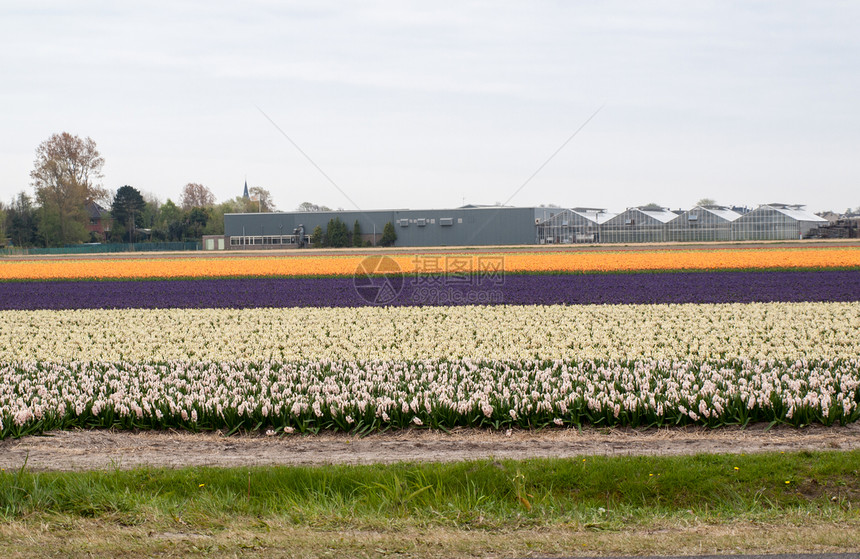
[261, 199]
[336, 234]
[22, 218]
[65, 175]
[127, 208]
[389, 236]
[309, 207]
[356, 234]
[195, 195]
[317, 237]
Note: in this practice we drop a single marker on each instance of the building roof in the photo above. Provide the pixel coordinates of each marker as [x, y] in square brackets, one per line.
[476, 206]
[796, 212]
[95, 211]
[663, 215]
[721, 211]
[597, 215]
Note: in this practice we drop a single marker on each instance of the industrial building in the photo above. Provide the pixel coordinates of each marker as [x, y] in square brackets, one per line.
[469, 225]
[505, 225]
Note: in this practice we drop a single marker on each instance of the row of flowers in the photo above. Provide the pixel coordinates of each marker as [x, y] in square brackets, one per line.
[681, 287]
[758, 331]
[360, 395]
[346, 265]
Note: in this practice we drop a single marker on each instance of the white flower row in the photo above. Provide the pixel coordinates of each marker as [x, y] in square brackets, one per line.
[342, 393]
[689, 331]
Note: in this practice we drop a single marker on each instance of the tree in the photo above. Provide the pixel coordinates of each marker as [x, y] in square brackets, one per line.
[23, 221]
[389, 236]
[197, 219]
[356, 234]
[127, 209]
[317, 237]
[170, 223]
[706, 202]
[170, 219]
[2, 225]
[261, 199]
[309, 207]
[336, 234]
[195, 195]
[651, 206]
[151, 210]
[64, 175]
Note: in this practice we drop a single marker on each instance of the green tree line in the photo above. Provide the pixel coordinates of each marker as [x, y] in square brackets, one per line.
[338, 235]
[68, 205]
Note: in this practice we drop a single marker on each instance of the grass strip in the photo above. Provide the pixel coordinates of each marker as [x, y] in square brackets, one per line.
[714, 504]
[600, 492]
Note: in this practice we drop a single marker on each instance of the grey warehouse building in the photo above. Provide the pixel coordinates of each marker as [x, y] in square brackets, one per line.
[466, 226]
[505, 225]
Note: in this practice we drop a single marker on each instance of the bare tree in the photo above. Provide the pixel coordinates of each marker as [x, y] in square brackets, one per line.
[64, 176]
[310, 207]
[195, 195]
[262, 199]
[704, 202]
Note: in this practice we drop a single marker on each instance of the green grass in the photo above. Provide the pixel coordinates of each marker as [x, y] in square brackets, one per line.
[599, 506]
[601, 492]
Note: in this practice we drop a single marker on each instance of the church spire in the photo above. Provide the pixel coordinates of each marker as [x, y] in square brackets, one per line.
[246, 196]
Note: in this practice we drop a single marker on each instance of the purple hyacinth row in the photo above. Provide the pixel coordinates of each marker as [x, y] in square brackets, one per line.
[693, 287]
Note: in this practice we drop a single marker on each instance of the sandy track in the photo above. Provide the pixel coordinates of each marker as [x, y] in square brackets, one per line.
[94, 450]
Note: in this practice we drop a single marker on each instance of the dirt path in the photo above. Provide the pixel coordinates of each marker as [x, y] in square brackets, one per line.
[93, 450]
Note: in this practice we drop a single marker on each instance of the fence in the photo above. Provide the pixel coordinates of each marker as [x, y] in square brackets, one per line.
[102, 248]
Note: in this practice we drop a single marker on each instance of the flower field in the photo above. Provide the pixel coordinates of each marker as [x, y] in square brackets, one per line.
[515, 262]
[517, 289]
[744, 335]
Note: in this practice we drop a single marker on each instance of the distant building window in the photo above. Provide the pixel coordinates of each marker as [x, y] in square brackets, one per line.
[404, 223]
[446, 221]
[420, 222]
[629, 222]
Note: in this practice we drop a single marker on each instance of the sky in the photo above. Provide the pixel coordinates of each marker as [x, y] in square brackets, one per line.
[372, 105]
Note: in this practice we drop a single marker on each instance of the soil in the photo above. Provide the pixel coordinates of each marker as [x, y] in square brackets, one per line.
[95, 450]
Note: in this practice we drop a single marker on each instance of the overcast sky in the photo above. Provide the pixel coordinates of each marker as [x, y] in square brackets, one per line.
[430, 104]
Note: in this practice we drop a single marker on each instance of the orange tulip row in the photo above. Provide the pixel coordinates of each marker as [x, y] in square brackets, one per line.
[508, 262]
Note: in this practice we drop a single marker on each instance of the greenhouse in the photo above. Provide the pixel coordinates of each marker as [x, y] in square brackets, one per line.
[645, 224]
[703, 223]
[771, 222]
[577, 225]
